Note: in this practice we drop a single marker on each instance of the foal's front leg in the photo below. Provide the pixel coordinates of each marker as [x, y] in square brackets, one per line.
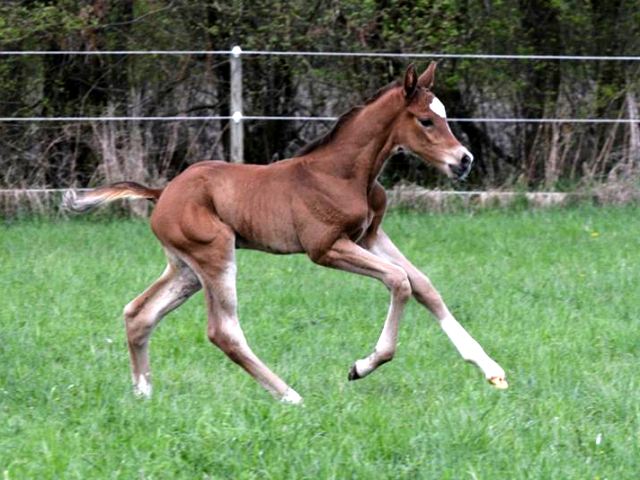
[380, 245]
[348, 256]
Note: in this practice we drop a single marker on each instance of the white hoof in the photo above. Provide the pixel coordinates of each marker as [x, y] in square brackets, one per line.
[495, 376]
[291, 396]
[499, 382]
[142, 388]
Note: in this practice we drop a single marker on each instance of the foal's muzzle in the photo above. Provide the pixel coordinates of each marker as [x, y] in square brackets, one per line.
[462, 169]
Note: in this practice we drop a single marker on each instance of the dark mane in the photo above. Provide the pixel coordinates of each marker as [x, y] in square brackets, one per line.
[342, 120]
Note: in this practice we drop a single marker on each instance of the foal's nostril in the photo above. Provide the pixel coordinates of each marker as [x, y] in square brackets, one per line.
[462, 168]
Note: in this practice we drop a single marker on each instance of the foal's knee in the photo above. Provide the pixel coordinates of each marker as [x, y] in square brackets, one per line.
[426, 293]
[430, 298]
[399, 285]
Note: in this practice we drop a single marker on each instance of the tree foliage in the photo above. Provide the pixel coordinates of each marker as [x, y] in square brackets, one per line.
[530, 154]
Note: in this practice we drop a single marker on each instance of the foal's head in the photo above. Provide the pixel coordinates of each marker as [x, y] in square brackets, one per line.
[422, 128]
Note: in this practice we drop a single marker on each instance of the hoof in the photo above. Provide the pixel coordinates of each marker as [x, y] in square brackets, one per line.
[499, 381]
[140, 393]
[291, 397]
[353, 373]
[142, 387]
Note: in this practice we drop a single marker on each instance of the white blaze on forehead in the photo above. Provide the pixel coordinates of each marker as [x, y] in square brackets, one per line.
[438, 108]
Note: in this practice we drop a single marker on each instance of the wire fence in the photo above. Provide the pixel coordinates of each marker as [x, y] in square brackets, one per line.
[301, 119]
[108, 136]
[237, 52]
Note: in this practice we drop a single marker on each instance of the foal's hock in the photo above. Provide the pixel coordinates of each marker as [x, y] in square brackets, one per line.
[326, 202]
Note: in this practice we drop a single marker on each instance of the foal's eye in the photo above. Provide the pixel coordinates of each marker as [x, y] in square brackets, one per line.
[426, 122]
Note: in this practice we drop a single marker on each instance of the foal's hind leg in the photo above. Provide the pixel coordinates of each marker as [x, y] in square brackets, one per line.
[346, 255]
[172, 289]
[216, 267]
[424, 292]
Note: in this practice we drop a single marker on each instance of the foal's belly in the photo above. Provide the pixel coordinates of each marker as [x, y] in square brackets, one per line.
[279, 246]
[267, 230]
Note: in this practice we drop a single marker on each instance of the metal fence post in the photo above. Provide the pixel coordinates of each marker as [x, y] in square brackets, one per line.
[237, 129]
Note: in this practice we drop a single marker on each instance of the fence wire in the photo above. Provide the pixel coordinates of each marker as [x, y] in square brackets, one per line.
[612, 58]
[239, 116]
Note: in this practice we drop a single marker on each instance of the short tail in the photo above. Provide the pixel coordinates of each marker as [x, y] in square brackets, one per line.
[83, 202]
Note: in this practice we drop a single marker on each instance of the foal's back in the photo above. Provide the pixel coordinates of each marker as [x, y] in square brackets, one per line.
[254, 203]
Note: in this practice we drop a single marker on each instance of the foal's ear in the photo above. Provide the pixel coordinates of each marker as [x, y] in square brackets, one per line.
[428, 78]
[410, 81]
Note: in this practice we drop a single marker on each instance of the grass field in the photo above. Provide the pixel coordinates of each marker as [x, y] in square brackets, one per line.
[553, 296]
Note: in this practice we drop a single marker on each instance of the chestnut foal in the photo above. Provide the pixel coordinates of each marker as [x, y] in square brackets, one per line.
[326, 202]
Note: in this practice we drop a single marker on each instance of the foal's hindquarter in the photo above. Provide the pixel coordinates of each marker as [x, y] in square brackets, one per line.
[326, 203]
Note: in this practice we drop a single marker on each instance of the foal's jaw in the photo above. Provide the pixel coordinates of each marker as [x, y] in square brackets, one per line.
[456, 166]
[461, 168]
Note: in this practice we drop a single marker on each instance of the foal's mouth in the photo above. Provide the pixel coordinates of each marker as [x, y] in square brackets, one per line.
[460, 172]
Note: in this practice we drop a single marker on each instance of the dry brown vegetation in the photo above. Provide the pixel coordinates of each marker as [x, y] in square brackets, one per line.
[600, 160]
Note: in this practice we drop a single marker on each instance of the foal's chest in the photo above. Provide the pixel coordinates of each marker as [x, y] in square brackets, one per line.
[361, 227]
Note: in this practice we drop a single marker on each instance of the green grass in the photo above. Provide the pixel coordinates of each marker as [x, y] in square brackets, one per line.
[553, 296]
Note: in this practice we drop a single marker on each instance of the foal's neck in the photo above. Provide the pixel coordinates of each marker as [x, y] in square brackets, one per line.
[364, 143]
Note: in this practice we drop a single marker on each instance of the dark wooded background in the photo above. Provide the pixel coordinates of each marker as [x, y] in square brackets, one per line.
[527, 155]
